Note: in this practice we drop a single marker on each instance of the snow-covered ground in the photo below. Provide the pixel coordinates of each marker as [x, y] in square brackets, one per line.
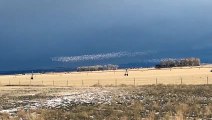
[62, 100]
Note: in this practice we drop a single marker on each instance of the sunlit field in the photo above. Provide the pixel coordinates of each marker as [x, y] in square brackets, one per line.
[137, 77]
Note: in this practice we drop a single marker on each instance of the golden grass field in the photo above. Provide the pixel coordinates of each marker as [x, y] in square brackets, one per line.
[185, 75]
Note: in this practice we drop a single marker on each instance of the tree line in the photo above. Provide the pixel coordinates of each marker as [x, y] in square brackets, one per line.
[178, 62]
[98, 67]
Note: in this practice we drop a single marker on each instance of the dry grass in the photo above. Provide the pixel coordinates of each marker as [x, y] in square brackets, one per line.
[147, 102]
[136, 77]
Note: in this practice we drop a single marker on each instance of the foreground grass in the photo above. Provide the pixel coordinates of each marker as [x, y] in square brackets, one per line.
[145, 102]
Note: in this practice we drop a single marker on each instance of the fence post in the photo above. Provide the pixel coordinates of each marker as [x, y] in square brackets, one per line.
[67, 83]
[156, 81]
[116, 82]
[82, 83]
[98, 83]
[134, 81]
[207, 80]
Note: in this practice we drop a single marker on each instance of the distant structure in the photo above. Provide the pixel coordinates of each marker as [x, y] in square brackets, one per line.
[98, 68]
[32, 76]
[126, 72]
[178, 63]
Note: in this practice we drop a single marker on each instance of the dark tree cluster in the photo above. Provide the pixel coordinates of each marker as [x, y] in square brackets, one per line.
[178, 62]
[98, 67]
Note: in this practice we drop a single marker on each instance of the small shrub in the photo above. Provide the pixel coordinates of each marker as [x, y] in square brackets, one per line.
[96, 85]
[122, 85]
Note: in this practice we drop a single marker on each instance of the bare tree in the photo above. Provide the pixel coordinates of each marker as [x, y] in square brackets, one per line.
[179, 63]
[98, 67]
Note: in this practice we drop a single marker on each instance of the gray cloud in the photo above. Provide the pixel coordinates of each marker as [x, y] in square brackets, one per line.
[33, 31]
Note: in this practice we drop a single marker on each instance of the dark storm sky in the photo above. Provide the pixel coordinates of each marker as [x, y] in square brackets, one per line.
[33, 31]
